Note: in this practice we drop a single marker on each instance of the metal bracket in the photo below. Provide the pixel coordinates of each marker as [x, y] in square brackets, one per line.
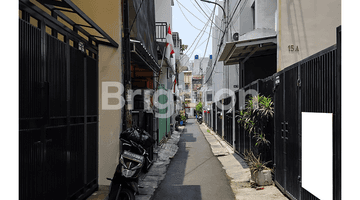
[299, 82]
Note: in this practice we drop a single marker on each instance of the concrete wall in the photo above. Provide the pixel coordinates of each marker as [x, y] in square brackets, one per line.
[233, 77]
[265, 14]
[163, 75]
[203, 63]
[181, 81]
[108, 16]
[246, 16]
[163, 11]
[309, 25]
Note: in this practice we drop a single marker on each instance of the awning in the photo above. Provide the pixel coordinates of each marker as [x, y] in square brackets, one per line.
[258, 42]
[67, 6]
[142, 57]
[192, 105]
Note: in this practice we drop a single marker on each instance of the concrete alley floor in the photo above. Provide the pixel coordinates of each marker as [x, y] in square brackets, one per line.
[195, 163]
[194, 172]
[237, 170]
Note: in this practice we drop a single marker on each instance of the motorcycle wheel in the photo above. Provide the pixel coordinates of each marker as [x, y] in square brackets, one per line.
[126, 194]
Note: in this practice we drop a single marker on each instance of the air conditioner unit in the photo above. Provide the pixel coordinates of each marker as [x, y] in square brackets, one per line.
[235, 36]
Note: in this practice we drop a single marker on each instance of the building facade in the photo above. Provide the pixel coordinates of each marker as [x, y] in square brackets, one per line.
[72, 95]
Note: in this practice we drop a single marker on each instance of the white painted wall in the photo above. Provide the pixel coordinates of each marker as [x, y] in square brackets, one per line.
[163, 11]
[310, 25]
[265, 14]
[200, 66]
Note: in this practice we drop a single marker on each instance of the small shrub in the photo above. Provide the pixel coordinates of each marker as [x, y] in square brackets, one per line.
[255, 163]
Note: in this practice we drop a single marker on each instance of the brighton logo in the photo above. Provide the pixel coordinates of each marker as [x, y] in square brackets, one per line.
[112, 98]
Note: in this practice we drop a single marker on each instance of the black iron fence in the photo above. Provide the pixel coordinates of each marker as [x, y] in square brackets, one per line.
[214, 116]
[58, 112]
[243, 140]
[311, 85]
[228, 122]
[219, 117]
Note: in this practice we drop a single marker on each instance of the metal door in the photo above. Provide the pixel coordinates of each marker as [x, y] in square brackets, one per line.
[286, 138]
[58, 112]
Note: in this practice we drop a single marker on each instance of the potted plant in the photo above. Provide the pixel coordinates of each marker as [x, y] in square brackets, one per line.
[260, 173]
[199, 108]
[254, 118]
[183, 119]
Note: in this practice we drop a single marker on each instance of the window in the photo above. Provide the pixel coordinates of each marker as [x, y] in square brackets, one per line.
[208, 97]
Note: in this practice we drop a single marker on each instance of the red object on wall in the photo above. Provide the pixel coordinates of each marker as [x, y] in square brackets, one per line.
[204, 111]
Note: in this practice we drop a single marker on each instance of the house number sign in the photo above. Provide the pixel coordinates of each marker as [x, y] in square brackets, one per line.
[293, 47]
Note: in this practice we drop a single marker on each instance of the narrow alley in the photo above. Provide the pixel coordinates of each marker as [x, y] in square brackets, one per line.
[108, 94]
[194, 172]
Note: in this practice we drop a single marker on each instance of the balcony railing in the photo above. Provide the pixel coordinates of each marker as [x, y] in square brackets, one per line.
[161, 31]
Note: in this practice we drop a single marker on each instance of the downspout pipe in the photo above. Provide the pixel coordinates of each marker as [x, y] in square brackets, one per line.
[127, 65]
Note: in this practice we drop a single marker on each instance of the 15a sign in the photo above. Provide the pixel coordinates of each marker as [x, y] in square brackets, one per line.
[292, 47]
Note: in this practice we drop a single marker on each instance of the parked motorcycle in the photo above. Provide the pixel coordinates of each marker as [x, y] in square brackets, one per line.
[177, 122]
[199, 119]
[133, 159]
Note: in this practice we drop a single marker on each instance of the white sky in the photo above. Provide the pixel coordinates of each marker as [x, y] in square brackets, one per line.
[187, 31]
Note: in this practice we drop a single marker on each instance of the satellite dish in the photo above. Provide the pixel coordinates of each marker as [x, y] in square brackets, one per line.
[236, 36]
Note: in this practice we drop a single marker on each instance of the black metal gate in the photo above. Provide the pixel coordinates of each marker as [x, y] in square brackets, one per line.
[58, 115]
[228, 122]
[287, 137]
[311, 85]
[214, 116]
[320, 92]
[219, 119]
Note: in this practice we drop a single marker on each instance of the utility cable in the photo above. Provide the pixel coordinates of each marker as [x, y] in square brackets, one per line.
[207, 7]
[187, 18]
[190, 12]
[197, 9]
[196, 43]
[237, 17]
[209, 35]
[222, 40]
[209, 16]
[200, 37]
[201, 32]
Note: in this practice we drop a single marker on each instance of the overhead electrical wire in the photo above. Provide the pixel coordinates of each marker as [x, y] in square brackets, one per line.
[199, 39]
[187, 18]
[237, 17]
[196, 43]
[222, 39]
[209, 34]
[209, 16]
[190, 11]
[201, 32]
[197, 9]
[205, 4]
